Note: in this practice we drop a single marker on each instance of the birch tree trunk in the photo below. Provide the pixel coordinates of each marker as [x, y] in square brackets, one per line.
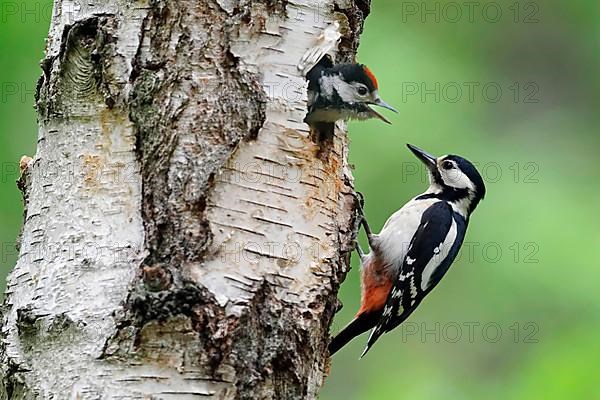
[185, 236]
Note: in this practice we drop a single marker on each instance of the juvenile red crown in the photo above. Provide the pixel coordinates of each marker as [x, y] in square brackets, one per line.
[371, 76]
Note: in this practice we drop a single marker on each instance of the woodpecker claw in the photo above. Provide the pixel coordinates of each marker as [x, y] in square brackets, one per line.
[360, 209]
[360, 200]
[361, 219]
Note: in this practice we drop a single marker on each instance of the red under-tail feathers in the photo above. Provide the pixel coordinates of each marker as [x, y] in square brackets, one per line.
[376, 286]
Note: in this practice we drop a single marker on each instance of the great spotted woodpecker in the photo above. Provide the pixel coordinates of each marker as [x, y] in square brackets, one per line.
[342, 92]
[417, 245]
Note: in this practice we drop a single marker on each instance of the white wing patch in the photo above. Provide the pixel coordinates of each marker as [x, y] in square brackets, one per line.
[413, 288]
[400, 310]
[387, 311]
[441, 252]
[404, 277]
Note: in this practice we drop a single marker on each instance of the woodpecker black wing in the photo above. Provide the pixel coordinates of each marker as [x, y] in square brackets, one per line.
[325, 129]
[432, 250]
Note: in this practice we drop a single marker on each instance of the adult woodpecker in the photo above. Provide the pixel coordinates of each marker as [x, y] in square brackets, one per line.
[417, 245]
[342, 92]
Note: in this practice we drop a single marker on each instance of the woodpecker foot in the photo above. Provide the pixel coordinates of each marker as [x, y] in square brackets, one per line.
[360, 207]
[360, 200]
[360, 213]
[360, 204]
[362, 220]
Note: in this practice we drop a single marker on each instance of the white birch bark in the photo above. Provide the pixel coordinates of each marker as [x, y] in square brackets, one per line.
[185, 236]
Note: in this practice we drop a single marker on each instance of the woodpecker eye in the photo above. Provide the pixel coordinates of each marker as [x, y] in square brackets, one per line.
[447, 165]
[362, 91]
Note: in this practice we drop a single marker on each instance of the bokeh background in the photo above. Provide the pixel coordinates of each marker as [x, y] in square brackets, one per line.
[512, 86]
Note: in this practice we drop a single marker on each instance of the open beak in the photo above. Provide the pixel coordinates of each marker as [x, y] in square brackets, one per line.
[375, 114]
[425, 157]
[383, 104]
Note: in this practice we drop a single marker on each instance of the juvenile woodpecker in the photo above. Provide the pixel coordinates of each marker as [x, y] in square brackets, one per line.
[417, 245]
[342, 92]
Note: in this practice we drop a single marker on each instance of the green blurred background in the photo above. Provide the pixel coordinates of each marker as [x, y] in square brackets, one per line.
[518, 316]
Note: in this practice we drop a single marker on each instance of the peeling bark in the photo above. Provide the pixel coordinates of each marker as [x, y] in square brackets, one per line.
[184, 234]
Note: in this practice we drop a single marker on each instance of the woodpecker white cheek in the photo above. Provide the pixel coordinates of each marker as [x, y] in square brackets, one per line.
[327, 86]
[457, 179]
[346, 91]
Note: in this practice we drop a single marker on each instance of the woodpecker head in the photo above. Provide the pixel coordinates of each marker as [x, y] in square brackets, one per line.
[453, 179]
[343, 92]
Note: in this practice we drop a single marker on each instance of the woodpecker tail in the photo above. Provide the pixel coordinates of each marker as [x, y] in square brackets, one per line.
[360, 324]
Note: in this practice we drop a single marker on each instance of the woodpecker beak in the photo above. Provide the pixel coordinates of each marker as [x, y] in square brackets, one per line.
[383, 104]
[427, 159]
[377, 115]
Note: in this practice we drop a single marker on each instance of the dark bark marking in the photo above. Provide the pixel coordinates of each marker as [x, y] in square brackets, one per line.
[355, 17]
[24, 185]
[268, 349]
[80, 71]
[173, 205]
